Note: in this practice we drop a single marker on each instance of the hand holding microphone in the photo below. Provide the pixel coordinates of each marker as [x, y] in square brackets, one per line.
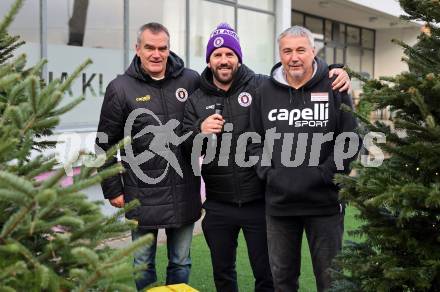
[214, 123]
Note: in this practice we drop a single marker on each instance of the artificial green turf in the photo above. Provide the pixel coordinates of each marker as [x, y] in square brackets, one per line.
[201, 273]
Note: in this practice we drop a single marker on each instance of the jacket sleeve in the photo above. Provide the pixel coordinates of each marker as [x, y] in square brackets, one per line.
[191, 123]
[345, 123]
[256, 126]
[336, 66]
[260, 78]
[110, 132]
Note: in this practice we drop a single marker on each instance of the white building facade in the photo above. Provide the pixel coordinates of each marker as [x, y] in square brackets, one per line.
[357, 33]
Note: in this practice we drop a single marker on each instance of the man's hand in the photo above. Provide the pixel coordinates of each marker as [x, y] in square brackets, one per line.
[342, 81]
[118, 202]
[212, 124]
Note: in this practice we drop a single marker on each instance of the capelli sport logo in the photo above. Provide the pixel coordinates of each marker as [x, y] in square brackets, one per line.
[317, 116]
[143, 98]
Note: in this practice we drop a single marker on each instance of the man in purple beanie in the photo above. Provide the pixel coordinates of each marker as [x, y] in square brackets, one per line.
[234, 194]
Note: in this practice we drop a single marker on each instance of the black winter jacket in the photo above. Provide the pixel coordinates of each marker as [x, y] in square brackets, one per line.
[174, 201]
[299, 176]
[230, 183]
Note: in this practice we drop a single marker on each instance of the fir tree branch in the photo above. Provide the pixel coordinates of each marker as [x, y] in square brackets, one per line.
[17, 183]
[38, 67]
[43, 167]
[110, 262]
[112, 171]
[14, 221]
[66, 84]
[67, 107]
[91, 228]
[9, 17]
[10, 270]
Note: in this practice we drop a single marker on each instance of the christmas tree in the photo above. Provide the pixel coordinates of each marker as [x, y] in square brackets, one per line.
[398, 202]
[51, 237]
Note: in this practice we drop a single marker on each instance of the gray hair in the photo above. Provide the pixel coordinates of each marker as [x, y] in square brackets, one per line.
[155, 28]
[297, 31]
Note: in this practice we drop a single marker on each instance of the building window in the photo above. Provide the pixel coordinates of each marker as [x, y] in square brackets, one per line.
[353, 35]
[339, 42]
[205, 17]
[92, 24]
[170, 13]
[78, 30]
[297, 18]
[26, 25]
[257, 41]
[368, 38]
[316, 26]
[266, 5]
[245, 16]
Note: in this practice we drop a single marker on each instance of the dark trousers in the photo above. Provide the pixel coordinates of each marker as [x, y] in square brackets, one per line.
[284, 237]
[221, 226]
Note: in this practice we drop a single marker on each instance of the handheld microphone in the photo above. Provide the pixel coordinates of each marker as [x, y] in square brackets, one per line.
[218, 109]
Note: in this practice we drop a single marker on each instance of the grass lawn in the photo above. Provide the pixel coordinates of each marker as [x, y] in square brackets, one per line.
[201, 274]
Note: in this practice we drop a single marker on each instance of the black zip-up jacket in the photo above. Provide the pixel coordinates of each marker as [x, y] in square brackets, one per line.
[174, 201]
[295, 186]
[230, 183]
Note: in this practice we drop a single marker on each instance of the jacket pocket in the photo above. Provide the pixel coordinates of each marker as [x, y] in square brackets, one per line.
[299, 185]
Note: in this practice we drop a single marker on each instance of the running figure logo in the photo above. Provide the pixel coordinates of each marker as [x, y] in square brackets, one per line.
[163, 137]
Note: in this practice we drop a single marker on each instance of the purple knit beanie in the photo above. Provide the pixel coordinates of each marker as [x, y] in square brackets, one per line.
[223, 36]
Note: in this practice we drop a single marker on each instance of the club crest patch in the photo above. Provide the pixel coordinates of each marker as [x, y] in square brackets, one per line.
[218, 42]
[244, 99]
[181, 94]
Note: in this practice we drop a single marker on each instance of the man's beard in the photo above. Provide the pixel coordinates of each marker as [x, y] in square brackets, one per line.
[220, 79]
[297, 74]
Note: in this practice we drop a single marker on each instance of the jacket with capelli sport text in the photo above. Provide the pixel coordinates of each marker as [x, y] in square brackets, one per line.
[299, 174]
[175, 200]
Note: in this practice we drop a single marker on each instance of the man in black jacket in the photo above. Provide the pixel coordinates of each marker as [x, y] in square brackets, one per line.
[147, 100]
[234, 194]
[298, 114]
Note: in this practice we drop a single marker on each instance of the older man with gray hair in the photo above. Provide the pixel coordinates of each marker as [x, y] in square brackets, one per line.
[155, 82]
[299, 102]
